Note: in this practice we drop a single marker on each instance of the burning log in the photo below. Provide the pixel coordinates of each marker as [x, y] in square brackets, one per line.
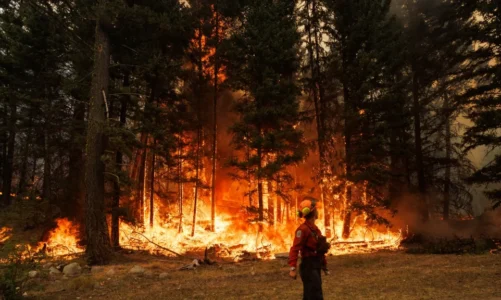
[157, 245]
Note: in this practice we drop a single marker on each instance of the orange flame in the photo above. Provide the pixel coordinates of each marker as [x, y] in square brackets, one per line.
[5, 234]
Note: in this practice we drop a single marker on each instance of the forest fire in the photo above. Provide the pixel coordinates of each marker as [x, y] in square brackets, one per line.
[234, 238]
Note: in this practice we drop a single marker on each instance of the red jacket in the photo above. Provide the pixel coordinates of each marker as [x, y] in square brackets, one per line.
[305, 243]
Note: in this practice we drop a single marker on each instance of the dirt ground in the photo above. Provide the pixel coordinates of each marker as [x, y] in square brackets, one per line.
[374, 276]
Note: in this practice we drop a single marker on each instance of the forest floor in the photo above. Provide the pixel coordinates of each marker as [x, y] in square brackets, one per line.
[370, 276]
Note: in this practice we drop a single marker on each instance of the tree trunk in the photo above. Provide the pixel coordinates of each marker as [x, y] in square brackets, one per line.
[199, 131]
[197, 167]
[9, 157]
[115, 217]
[152, 185]
[214, 129]
[180, 186]
[98, 249]
[348, 115]
[141, 186]
[260, 184]
[423, 206]
[448, 151]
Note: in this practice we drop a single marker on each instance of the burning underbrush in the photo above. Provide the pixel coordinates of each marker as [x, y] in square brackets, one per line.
[234, 238]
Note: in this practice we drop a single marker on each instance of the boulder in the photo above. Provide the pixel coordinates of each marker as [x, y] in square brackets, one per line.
[137, 270]
[163, 275]
[72, 269]
[33, 274]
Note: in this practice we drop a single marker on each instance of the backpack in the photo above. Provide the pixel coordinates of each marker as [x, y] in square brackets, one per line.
[322, 245]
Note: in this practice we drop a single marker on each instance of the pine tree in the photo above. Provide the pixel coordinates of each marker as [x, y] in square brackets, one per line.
[484, 97]
[262, 60]
[366, 50]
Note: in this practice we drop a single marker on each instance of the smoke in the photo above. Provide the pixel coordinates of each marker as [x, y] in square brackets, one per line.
[486, 225]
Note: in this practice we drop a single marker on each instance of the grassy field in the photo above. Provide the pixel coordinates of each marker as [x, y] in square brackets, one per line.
[375, 276]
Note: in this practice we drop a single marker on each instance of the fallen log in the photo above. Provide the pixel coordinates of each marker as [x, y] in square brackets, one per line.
[159, 246]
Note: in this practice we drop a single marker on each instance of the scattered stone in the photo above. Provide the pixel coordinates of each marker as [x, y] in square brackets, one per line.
[163, 275]
[72, 269]
[33, 274]
[47, 265]
[110, 272]
[54, 271]
[137, 270]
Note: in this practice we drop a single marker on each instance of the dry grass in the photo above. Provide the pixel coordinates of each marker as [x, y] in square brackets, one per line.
[376, 276]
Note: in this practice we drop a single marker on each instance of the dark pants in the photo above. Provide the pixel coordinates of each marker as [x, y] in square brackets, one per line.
[309, 270]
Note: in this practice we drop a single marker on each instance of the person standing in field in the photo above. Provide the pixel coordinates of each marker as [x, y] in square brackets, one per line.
[312, 246]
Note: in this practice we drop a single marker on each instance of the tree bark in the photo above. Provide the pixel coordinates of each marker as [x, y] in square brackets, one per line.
[98, 249]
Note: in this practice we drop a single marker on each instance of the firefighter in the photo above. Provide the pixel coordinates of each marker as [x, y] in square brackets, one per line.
[309, 242]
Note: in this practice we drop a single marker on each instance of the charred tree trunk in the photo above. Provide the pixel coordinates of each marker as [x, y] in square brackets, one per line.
[9, 155]
[214, 128]
[141, 185]
[419, 147]
[448, 152]
[348, 116]
[197, 167]
[260, 183]
[199, 129]
[180, 185]
[115, 206]
[152, 185]
[98, 248]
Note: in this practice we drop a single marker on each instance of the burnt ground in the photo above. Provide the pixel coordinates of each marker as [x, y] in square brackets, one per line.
[369, 276]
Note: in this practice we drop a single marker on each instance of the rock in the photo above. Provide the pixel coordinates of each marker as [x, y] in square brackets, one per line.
[47, 265]
[65, 277]
[72, 269]
[163, 275]
[96, 269]
[195, 263]
[25, 294]
[33, 274]
[110, 272]
[54, 271]
[148, 273]
[137, 270]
